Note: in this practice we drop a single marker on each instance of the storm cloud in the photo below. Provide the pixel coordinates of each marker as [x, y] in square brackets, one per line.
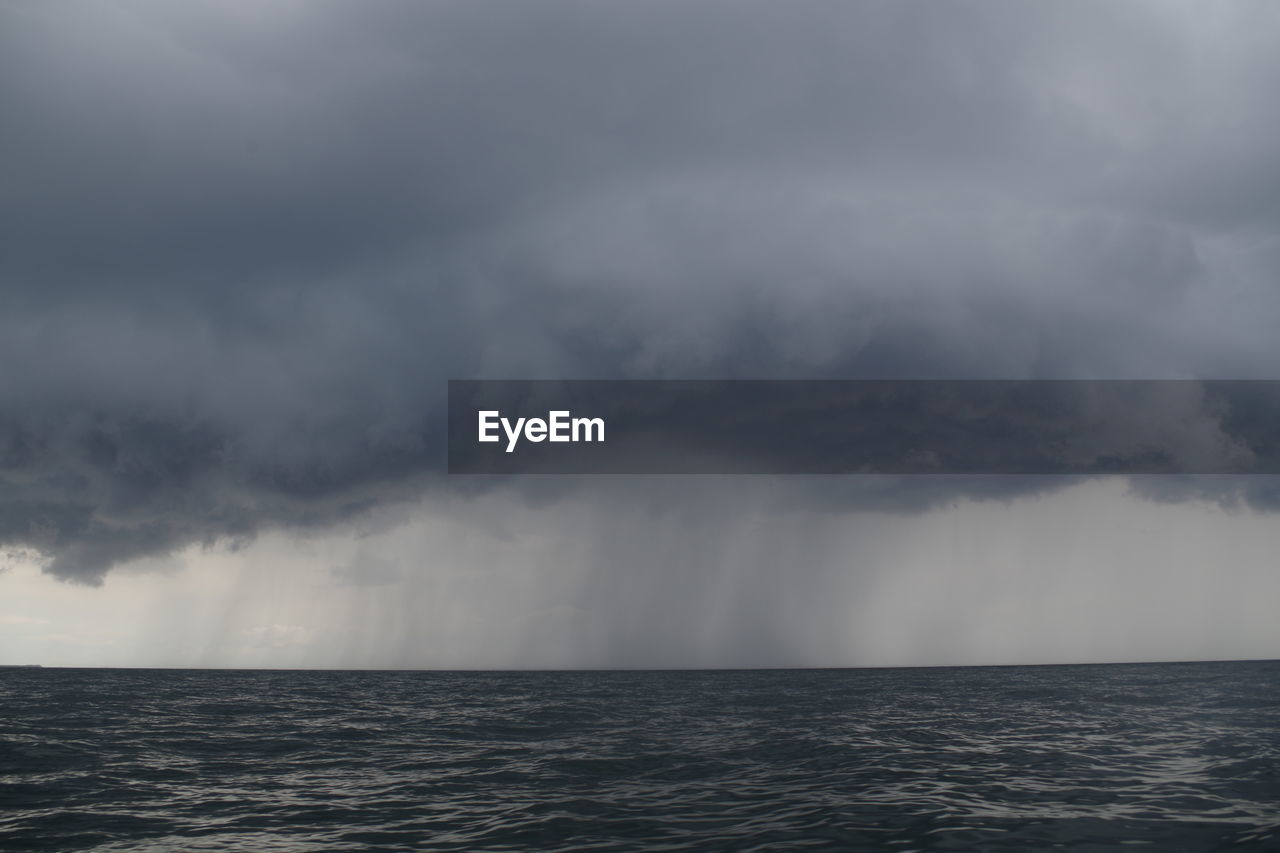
[243, 246]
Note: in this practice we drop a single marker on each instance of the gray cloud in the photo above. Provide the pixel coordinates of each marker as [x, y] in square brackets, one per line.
[242, 248]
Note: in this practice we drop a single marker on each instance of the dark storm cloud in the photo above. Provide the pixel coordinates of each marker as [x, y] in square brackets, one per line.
[242, 246]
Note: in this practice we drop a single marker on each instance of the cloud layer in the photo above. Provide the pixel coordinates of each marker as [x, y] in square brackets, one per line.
[243, 245]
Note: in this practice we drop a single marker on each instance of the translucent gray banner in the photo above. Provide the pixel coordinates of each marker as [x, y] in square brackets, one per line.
[864, 426]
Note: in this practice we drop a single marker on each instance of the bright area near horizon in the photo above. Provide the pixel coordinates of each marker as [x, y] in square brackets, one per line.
[1087, 574]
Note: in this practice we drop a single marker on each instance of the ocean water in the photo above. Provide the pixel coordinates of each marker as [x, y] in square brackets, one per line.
[1166, 756]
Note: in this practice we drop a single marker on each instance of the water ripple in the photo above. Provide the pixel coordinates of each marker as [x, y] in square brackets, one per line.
[1171, 756]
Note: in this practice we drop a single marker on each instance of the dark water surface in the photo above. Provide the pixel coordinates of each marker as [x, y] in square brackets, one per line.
[1170, 756]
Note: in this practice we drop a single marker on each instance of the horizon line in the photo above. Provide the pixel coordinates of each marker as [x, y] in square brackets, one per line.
[585, 669]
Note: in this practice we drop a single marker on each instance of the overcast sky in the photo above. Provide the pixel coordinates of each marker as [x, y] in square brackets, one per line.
[243, 245]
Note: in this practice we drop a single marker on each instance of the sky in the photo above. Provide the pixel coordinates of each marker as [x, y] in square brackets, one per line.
[244, 245]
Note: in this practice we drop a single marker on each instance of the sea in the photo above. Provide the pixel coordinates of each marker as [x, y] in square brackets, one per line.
[1167, 756]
